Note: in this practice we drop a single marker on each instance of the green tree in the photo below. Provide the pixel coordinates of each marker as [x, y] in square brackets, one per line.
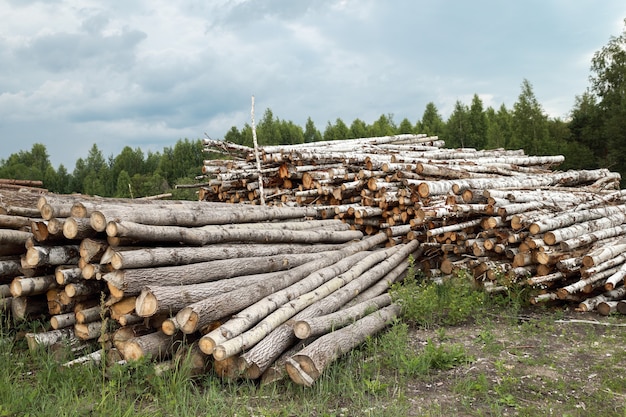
[384, 126]
[123, 186]
[432, 124]
[457, 126]
[311, 134]
[530, 124]
[405, 127]
[477, 135]
[268, 130]
[358, 129]
[608, 83]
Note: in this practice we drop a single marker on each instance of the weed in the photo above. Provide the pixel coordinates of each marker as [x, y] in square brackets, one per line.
[425, 303]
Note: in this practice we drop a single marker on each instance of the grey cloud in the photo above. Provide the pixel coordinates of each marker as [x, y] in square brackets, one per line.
[67, 51]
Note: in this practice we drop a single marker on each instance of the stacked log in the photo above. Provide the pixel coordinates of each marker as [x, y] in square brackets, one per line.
[263, 292]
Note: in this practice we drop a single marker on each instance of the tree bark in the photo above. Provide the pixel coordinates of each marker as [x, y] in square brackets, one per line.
[317, 326]
[156, 346]
[171, 256]
[132, 281]
[203, 312]
[258, 359]
[306, 367]
[51, 255]
[200, 236]
[275, 310]
[22, 286]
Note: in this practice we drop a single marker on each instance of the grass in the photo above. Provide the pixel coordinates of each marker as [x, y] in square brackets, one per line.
[454, 352]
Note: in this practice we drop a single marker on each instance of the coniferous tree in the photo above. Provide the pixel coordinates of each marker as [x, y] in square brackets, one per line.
[311, 134]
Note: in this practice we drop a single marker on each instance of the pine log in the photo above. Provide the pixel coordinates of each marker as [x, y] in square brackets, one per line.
[307, 366]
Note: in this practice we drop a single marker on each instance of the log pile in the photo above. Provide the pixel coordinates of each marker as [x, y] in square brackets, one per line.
[507, 217]
[139, 276]
[263, 292]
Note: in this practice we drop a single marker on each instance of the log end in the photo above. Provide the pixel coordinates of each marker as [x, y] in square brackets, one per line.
[170, 326]
[207, 344]
[98, 221]
[70, 228]
[302, 330]
[132, 351]
[146, 304]
[301, 370]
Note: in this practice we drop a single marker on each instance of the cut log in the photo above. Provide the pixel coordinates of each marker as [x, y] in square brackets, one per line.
[152, 257]
[67, 274]
[22, 286]
[131, 281]
[77, 228]
[156, 346]
[40, 339]
[259, 358]
[197, 218]
[63, 320]
[88, 331]
[202, 313]
[284, 304]
[52, 255]
[307, 366]
[320, 325]
[23, 308]
[199, 236]
[88, 315]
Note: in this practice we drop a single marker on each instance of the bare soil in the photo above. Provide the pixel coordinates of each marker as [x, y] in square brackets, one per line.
[546, 362]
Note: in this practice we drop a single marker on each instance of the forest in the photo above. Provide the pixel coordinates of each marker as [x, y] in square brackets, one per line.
[592, 136]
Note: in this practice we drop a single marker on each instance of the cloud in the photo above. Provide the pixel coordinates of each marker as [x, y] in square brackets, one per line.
[151, 72]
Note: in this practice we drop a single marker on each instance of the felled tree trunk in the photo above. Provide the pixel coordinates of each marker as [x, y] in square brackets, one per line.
[202, 313]
[156, 346]
[306, 367]
[131, 281]
[166, 256]
[317, 326]
[200, 236]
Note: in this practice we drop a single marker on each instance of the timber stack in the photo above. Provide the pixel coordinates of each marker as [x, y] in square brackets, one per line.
[138, 276]
[267, 291]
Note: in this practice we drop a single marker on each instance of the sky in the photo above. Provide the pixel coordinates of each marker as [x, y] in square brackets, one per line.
[147, 73]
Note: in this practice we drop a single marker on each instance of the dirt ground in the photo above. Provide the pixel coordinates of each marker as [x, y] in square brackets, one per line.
[548, 362]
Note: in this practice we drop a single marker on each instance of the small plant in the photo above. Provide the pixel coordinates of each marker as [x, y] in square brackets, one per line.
[425, 303]
[434, 357]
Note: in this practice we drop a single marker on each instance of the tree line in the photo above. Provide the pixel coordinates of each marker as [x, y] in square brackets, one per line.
[593, 136]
